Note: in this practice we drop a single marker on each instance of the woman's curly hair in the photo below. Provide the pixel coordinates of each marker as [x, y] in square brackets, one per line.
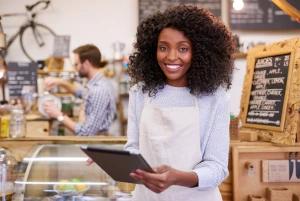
[212, 48]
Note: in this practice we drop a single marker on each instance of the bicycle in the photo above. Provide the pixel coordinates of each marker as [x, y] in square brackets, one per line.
[42, 34]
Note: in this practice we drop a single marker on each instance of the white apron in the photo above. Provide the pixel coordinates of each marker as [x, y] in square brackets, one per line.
[171, 136]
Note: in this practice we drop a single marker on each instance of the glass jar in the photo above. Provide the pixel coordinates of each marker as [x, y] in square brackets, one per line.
[7, 175]
[28, 98]
[54, 89]
[67, 105]
[17, 124]
[47, 97]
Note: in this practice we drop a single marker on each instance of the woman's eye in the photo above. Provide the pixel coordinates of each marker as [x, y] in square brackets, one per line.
[162, 48]
[183, 49]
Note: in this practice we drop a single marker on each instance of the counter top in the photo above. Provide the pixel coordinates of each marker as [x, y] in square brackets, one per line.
[121, 139]
[111, 139]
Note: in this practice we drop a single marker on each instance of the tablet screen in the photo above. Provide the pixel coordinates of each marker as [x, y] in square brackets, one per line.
[116, 162]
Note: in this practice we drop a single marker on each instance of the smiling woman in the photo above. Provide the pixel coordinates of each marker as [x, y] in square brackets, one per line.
[178, 113]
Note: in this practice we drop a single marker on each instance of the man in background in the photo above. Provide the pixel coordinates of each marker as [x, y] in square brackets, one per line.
[99, 100]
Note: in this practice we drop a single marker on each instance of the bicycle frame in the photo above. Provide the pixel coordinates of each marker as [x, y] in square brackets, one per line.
[29, 23]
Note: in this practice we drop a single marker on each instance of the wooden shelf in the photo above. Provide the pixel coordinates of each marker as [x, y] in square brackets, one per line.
[46, 72]
[63, 94]
[239, 55]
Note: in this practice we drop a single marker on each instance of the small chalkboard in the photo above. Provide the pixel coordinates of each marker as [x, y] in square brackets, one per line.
[262, 15]
[21, 74]
[268, 90]
[270, 99]
[61, 46]
[149, 7]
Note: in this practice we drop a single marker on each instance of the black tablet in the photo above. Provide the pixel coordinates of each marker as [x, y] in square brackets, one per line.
[116, 162]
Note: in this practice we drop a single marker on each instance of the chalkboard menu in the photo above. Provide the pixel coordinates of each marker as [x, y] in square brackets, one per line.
[61, 46]
[20, 75]
[262, 15]
[268, 90]
[149, 7]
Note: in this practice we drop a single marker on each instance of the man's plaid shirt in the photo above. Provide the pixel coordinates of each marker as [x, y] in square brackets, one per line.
[100, 106]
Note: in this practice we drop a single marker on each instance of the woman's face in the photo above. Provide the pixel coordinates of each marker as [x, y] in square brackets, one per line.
[174, 56]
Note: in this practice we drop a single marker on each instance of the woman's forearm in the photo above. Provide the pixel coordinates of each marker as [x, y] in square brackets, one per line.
[188, 179]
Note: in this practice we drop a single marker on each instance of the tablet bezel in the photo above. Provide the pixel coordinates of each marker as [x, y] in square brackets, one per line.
[118, 164]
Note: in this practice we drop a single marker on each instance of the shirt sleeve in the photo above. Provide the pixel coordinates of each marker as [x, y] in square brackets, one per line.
[98, 101]
[213, 168]
[132, 144]
[79, 92]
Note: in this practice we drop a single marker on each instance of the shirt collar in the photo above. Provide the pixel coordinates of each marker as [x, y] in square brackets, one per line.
[98, 76]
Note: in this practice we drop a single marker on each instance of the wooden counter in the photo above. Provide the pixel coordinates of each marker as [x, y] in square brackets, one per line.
[21, 147]
[69, 139]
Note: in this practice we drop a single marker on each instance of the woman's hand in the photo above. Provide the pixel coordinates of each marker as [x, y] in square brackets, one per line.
[89, 162]
[163, 178]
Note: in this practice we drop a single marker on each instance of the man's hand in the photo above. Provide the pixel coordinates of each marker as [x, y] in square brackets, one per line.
[163, 178]
[51, 82]
[52, 110]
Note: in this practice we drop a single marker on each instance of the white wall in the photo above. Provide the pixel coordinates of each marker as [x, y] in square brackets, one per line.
[100, 22]
[103, 22]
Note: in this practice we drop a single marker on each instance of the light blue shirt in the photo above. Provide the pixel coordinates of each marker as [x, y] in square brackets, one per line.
[100, 106]
[214, 128]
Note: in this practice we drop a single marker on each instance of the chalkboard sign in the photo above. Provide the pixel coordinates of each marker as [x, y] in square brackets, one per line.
[61, 46]
[149, 7]
[262, 15]
[268, 90]
[270, 99]
[20, 75]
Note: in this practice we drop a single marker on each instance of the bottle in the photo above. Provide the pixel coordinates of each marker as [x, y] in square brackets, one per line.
[17, 125]
[4, 131]
[3, 173]
[61, 130]
[67, 106]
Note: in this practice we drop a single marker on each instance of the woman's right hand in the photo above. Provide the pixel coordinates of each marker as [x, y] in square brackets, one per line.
[89, 162]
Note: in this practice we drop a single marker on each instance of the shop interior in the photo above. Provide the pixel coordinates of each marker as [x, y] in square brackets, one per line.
[41, 160]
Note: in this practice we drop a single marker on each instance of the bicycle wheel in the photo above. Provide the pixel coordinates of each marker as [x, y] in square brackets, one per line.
[30, 46]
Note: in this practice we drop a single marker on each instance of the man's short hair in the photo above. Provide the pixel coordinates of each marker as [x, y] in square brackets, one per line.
[89, 52]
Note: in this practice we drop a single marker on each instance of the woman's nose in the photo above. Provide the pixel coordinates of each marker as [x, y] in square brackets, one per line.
[172, 55]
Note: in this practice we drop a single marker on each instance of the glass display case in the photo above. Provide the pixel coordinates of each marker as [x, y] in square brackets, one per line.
[61, 172]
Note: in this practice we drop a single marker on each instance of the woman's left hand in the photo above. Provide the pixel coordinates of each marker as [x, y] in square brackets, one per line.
[163, 178]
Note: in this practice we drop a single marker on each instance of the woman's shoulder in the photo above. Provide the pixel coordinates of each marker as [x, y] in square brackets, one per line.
[136, 91]
[221, 94]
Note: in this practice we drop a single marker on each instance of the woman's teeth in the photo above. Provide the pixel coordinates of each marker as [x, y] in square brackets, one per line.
[173, 66]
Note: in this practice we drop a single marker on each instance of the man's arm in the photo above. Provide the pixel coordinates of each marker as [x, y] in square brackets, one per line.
[54, 112]
[50, 82]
